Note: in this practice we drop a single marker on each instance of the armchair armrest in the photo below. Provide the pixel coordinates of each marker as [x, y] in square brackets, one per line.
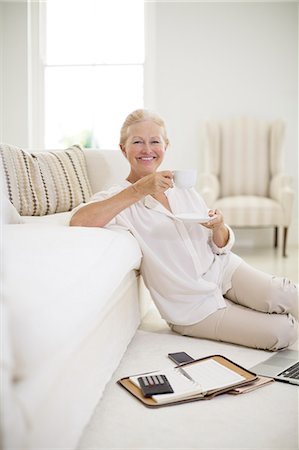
[209, 188]
[281, 191]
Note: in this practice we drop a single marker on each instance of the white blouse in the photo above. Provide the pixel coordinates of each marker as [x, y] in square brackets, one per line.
[185, 272]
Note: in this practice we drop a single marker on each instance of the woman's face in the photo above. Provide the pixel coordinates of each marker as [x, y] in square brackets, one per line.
[144, 148]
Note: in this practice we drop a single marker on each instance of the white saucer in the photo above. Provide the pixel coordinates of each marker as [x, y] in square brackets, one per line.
[193, 217]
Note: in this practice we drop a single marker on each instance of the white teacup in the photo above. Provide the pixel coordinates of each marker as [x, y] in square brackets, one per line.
[184, 179]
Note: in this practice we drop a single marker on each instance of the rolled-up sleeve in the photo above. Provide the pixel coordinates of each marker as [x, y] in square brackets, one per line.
[227, 247]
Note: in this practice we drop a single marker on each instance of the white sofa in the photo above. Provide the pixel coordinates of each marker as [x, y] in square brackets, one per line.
[70, 307]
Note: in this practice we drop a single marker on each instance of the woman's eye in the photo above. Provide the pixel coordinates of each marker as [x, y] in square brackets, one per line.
[155, 142]
[137, 142]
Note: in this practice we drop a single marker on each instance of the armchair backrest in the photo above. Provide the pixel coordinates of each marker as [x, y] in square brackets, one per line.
[244, 153]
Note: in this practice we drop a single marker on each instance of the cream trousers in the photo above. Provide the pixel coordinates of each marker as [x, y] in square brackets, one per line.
[261, 312]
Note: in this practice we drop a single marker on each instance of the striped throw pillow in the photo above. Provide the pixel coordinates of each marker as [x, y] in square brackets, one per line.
[44, 183]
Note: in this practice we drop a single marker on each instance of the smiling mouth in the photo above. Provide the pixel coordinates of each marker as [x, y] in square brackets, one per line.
[146, 158]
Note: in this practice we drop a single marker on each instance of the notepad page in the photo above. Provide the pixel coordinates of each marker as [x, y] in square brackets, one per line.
[212, 375]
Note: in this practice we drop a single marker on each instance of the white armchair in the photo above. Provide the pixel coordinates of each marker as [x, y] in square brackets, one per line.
[243, 175]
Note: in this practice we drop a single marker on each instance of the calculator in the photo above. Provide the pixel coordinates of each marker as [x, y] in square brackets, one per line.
[154, 385]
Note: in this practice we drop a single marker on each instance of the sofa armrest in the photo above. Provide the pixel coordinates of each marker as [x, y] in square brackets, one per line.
[281, 191]
[48, 268]
[9, 214]
[209, 188]
[13, 421]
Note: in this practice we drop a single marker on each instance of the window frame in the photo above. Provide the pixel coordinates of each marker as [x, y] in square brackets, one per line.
[36, 73]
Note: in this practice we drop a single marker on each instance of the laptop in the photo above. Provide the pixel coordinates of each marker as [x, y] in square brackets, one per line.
[283, 366]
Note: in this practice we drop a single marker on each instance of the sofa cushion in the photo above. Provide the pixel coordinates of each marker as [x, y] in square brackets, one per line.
[44, 183]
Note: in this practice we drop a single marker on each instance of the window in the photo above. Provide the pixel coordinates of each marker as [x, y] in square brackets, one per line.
[93, 70]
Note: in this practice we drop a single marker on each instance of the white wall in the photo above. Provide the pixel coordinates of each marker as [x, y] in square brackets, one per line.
[14, 92]
[214, 60]
[1, 70]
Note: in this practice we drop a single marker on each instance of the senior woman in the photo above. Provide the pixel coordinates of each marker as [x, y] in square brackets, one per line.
[199, 286]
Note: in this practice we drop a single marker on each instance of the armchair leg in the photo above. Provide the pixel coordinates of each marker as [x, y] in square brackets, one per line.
[285, 233]
[275, 237]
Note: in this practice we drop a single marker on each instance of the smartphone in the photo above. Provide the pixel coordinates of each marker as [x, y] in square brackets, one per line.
[180, 357]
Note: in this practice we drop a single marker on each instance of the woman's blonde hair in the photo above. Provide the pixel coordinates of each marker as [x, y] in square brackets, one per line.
[140, 115]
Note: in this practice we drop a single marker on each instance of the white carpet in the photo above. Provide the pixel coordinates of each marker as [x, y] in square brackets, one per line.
[263, 419]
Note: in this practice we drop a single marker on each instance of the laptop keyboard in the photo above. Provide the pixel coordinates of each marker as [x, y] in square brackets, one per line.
[291, 372]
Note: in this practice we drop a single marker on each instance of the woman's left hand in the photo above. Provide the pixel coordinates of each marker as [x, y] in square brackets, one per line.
[216, 224]
[216, 221]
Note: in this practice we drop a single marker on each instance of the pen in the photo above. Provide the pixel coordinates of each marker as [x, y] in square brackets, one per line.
[183, 372]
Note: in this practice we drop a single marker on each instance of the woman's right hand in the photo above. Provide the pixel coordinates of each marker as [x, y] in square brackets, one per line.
[154, 183]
